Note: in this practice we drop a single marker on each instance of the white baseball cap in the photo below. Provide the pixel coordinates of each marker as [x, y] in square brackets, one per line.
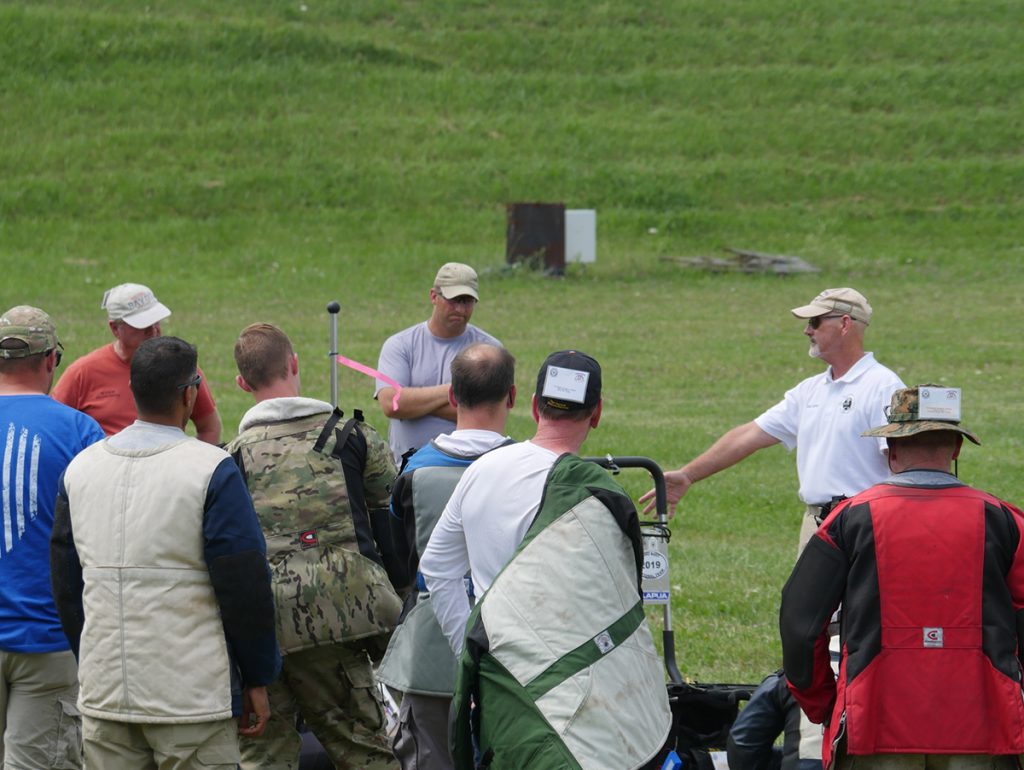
[134, 304]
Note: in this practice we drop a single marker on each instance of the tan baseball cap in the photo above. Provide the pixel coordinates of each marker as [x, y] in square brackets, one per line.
[455, 279]
[134, 304]
[845, 301]
[28, 325]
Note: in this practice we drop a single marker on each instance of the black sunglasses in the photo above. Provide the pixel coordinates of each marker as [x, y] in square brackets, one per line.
[194, 381]
[60, 353]
[815, 322]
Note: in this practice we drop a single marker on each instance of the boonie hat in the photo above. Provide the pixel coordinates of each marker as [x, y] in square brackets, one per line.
[455, 279]
[28, 325]
[570, 381]
[845, 301]
[904, 413]
[134, 304]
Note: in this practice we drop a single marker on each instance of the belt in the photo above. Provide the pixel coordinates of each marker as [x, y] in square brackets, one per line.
[824, 509]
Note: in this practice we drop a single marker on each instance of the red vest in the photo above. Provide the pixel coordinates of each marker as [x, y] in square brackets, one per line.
[940, 571]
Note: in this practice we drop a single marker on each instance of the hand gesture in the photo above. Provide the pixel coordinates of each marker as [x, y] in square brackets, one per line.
[676, 485]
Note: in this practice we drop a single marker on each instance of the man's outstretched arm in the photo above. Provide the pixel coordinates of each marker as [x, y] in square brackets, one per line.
[735, 445]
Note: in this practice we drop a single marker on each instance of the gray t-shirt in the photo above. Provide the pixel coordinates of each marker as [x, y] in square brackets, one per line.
[415, 358]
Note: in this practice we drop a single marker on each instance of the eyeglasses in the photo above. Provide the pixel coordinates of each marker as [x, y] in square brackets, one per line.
[815, 322]
[464, 299]
[60, 353]
[194, 381]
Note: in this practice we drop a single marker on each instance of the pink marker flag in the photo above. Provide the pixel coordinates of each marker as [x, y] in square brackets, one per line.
[369, 371]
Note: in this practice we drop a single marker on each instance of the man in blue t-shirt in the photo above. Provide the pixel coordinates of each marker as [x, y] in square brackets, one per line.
[38, 438]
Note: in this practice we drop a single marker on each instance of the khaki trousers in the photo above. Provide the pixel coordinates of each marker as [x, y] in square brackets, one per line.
[39, 723]
[810, 733]
[808, 526]
[113, 745]
[333, 688]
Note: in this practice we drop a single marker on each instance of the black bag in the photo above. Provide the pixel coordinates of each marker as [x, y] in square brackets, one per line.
[702, 715]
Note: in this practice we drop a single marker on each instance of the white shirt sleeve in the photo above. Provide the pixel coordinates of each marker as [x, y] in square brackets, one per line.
[782, 421]
[451, 606]
[443, 564]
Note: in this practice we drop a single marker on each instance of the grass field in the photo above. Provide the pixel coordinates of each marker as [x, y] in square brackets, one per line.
[254, 160]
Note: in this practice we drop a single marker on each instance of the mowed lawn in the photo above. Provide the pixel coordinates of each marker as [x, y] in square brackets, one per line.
[254, 160]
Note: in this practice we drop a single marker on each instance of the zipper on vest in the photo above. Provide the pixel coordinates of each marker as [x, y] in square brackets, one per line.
[840, 734]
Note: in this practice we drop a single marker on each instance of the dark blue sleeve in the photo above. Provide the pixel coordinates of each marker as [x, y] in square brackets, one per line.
[236, 555]
[752, 737]
[66, 571]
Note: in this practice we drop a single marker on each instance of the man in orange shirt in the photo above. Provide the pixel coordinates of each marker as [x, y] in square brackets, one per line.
[97, 383]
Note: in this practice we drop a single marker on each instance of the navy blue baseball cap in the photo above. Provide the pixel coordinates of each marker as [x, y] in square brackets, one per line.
[570, 381]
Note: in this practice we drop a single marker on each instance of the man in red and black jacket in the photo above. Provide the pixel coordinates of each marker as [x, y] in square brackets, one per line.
[930, 575]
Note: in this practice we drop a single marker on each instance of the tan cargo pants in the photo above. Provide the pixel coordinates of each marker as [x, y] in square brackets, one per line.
[37, 706]
[131, 746]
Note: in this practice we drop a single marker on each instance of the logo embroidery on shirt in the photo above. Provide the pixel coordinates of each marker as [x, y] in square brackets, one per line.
[604, 642]
[933, 637]
[308, 539]
[847, 403]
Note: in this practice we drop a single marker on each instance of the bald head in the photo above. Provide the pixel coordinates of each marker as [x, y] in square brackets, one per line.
[483, 374]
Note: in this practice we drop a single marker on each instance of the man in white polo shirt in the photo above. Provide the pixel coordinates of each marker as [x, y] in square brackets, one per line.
[822, 417]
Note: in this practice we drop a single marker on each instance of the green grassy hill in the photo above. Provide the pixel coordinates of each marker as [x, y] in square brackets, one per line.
[254, 160]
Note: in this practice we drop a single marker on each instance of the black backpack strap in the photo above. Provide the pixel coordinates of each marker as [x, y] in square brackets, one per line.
[343, 433]
[405, 459]
[383, 544]
[237, 457]
[325, 434]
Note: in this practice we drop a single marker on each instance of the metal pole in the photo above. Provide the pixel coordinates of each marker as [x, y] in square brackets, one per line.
[333, 308]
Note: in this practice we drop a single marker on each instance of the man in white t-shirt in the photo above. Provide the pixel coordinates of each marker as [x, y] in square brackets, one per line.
[419, 359]
[822, 417]
[499, 495]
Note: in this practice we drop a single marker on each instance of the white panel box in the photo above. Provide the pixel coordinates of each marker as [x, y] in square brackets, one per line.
[580, 235]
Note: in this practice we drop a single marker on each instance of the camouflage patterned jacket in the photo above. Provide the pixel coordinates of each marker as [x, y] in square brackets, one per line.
[314, 480]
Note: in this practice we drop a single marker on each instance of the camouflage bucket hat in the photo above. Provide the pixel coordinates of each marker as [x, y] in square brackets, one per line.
[905, 419]
[26, 331]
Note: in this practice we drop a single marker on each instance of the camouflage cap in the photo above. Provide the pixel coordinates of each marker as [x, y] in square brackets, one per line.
[28, 325]
[905, 420]
[844, 301]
